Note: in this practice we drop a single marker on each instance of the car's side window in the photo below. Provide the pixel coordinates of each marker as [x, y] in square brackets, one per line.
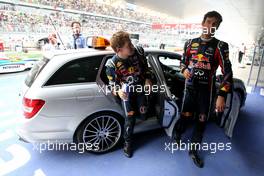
[77, 71]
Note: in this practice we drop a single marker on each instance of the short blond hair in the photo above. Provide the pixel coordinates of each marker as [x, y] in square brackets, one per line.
[119, 39]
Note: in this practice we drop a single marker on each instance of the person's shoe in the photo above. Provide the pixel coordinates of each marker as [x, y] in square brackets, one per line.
[128, 149]
[196, 159]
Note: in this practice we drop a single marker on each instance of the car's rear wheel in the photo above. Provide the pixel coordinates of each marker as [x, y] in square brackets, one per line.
[102, 131]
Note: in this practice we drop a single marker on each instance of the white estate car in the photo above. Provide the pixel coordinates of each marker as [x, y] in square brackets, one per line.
[65, 99]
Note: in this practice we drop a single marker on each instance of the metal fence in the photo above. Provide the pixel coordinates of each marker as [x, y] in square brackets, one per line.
[256, 74]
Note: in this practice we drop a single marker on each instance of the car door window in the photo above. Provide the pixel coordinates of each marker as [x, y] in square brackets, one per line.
[170, 65]
[77, 71]
[168, 61]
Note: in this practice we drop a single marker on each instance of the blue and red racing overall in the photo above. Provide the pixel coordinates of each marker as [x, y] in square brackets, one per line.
[202, 58]
[129, 74]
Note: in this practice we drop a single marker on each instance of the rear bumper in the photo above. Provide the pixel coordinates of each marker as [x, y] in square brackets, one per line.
[43, 137]
[43, 129]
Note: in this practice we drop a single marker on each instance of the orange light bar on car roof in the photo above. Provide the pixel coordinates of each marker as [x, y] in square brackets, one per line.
[99, 42]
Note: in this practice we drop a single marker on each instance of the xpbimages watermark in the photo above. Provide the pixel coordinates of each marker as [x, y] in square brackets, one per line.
[60, 146]
[213, 147]
[146, 89]
[211, 30]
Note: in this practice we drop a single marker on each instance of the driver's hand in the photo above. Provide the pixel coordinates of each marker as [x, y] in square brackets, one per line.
[187, 74]
[148, 85]
[122, 94]
[220, 104]
[114, 92]
[148, 82]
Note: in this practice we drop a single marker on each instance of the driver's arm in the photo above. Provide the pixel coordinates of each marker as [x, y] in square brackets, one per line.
[222, 54]
[112, 77]
[186, 56]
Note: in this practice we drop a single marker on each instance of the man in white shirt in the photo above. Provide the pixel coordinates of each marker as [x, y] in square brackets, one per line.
[52, 44]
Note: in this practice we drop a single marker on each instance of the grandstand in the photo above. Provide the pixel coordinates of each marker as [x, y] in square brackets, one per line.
[30, 20]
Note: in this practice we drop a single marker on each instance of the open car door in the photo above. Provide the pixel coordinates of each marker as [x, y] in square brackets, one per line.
[228, 118]
[168, 114]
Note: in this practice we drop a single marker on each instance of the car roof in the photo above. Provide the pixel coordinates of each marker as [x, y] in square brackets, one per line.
[68, 52]
[93, 52]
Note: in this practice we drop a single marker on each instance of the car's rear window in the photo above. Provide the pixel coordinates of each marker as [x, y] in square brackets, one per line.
[82, 70]
[34, 72]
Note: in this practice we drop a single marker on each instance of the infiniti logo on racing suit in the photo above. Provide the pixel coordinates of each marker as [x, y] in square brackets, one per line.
[198, 72]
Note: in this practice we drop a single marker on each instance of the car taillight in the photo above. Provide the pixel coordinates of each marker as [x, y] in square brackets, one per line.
[31, 107]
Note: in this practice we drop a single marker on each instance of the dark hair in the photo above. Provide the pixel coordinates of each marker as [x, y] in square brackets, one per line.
[213, 14]
[75, 22]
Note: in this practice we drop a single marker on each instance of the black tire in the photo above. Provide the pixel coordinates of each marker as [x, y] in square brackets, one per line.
[102, 131]
[239, 97]
[230, 122]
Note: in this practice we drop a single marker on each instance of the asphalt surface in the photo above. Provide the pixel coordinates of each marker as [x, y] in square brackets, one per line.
[151, 156]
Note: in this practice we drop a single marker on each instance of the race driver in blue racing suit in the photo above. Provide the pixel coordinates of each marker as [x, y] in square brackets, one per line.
[200, 60]
[127, 71]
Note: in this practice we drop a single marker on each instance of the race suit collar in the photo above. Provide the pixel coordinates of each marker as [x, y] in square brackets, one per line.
[206, 40]
[123, 59]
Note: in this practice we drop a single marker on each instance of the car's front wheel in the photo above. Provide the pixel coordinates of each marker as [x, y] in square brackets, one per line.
[101, 131]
